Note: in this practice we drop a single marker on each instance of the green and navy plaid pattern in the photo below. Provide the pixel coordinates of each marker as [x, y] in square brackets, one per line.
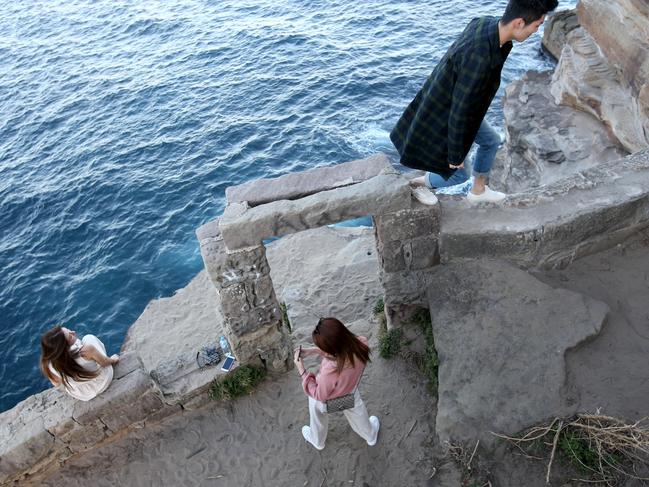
[440, 124]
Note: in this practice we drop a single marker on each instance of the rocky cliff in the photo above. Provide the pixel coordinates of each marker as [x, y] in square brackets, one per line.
[593, 108]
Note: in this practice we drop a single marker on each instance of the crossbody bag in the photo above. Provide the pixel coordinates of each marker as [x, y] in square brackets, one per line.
[341, 403]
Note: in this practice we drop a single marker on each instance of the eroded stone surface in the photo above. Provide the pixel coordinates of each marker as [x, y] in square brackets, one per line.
[190, 320]
[556, 28]
[501, 336]
[546, 142]
[584, 79]
[26, 441]
[621, 30]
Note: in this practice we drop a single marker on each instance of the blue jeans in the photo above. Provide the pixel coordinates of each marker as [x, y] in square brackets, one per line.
[488, 142]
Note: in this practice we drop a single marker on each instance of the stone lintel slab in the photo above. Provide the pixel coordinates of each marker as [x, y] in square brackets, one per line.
[543, 226]
[243, 227]
[300, 184]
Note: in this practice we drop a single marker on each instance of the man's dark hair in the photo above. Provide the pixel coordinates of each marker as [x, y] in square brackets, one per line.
[528, 10]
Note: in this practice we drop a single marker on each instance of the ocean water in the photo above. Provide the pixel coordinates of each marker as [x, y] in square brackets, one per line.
[122, 123]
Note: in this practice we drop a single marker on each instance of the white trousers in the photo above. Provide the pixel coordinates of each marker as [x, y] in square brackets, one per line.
[356, 416]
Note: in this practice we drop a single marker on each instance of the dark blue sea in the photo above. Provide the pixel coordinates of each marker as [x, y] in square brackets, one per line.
[122, 123]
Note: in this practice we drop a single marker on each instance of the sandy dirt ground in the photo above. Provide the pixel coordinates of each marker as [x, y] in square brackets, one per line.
[256, 441]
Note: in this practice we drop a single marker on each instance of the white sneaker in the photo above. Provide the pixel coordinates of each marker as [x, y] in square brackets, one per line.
[424, 195]
[306, 433]
[374, 421]
[487, 196]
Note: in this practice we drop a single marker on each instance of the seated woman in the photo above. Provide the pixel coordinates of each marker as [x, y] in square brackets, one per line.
[344, 356]
[80, 366]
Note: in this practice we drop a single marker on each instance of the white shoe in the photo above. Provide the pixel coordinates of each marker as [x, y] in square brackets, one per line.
[306, 433]
[374, 421]
[487, 196]
[424, 195]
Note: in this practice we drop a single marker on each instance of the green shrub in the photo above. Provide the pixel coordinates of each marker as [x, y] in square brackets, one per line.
[379, 307]
[239, 382]
[581, 454]
[429, 363]
[390, 343]
[284, 310]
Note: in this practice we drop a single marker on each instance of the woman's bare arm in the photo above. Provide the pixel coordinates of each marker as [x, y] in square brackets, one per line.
[311, 351]
[90, 352]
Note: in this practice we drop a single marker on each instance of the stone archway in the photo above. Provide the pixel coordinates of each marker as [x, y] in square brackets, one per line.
[235, 257]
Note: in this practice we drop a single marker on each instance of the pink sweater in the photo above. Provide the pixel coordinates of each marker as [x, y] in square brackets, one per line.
[329, 383]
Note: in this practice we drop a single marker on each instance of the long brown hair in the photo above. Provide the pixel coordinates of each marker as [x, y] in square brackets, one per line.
[334, 338]
[55, 351]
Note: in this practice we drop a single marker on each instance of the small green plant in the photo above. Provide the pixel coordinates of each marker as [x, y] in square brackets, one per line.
[429, 363]
[284, 310]
[390, 343]
[239, 382]
[379, 307]
[578, 451]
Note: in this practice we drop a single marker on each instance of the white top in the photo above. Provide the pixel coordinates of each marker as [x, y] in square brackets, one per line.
[88, 389]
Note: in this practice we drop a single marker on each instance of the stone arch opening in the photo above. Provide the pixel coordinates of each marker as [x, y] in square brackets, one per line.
[232, 247]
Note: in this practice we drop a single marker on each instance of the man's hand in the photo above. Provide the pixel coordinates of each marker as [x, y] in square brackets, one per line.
[461, 166]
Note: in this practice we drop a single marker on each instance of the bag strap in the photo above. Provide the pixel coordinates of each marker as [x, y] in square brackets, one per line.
[359, 380]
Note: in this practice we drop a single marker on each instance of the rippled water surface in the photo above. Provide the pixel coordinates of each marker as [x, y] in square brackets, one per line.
[122, 123]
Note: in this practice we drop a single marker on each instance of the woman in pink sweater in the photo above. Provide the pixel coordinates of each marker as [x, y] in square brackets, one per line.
[344, 356]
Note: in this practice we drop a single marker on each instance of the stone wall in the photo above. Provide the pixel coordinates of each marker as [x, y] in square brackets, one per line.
[47, 428]
[406, 233]
[553, 225]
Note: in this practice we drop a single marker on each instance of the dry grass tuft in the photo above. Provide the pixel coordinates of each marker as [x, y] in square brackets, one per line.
[607, 449]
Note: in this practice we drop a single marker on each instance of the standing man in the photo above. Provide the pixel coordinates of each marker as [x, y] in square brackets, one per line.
[437, 129]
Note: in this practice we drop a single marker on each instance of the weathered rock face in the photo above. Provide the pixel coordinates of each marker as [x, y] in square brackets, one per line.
[621, 30]
[586, 81]
[556, 29]
[501, 336]
[546, 142]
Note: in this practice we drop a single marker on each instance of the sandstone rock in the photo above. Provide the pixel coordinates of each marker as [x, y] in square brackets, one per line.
[553, 225]
[29, 432]
[501, 336]
[621, 30]
[243, 227]
[167, 321]
[585, 80]
[297, 185]
[546, 142]
[556, 28]
[407, 239]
